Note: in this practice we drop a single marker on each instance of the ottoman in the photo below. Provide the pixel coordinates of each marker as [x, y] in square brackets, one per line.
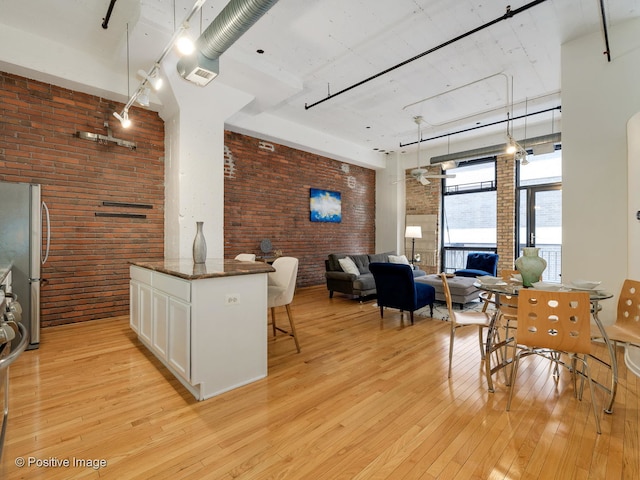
[462, 289]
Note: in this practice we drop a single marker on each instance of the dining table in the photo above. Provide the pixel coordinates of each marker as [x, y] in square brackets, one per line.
[497, 347]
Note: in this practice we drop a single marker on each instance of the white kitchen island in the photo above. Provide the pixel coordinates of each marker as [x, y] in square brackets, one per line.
[206, 323]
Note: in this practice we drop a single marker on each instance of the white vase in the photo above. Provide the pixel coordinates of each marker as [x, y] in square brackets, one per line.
[530, 265]
[199, 245]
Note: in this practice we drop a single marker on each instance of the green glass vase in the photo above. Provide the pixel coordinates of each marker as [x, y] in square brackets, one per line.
[530, 265]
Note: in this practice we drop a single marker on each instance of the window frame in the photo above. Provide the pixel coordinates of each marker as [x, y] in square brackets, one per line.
[483, 186]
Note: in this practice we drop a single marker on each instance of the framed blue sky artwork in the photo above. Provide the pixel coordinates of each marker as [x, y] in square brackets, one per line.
[325, 206]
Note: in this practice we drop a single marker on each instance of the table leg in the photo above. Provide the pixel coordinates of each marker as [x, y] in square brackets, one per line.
[613, 359]
[497, 346]
[491, 333]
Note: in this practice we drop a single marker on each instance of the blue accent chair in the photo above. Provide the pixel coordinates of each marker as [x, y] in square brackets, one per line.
[395, 288]
[478, 264]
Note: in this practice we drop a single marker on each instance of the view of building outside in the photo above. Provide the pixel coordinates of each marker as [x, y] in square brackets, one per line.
[469, 208]
[470, 220]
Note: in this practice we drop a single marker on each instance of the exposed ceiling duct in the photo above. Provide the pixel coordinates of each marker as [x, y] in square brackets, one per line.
[529, 143]
[232, 22]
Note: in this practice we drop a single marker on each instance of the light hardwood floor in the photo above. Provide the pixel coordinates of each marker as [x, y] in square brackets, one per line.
[364, 400]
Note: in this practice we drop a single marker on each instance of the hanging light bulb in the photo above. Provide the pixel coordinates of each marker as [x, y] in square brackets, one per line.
[124, 119]
[184, 44]
[511, 145]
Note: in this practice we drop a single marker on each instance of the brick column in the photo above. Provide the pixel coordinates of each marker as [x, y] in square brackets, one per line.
[506, 211]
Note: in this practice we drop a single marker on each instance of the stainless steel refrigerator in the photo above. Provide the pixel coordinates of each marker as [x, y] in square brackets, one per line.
[21, 246]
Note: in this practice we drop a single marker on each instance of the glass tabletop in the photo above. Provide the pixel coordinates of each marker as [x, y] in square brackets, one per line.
[505, 288]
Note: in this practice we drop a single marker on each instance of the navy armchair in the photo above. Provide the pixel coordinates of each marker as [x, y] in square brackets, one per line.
[396, 288]
[478, 264]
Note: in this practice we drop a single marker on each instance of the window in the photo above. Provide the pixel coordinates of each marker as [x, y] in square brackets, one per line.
[469, 212]
[540, 210]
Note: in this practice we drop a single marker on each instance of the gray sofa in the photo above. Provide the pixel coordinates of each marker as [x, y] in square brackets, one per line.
[350, 284]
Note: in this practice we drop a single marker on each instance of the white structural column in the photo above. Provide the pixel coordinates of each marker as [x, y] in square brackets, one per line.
[632, 354]
[595, 164]
[633, 179]
[390, 206]
[194, 161]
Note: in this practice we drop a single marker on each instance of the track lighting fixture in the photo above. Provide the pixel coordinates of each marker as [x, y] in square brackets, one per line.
[519, 152]
[143, 97]
[513, 147]
[449, 165]
[151, 78]
[124, 118]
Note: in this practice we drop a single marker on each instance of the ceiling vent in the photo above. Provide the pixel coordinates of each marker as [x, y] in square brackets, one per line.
[198, 69]
[232, 22]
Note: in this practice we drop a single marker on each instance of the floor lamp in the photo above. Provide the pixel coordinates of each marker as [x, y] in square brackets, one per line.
[413, 232]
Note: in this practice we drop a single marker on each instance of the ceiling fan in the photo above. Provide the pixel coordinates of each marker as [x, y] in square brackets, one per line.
[422, 175]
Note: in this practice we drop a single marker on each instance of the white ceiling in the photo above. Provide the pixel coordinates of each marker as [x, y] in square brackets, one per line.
[316, 47]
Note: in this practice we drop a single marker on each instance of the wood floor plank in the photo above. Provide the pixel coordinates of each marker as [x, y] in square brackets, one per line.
[365, 399]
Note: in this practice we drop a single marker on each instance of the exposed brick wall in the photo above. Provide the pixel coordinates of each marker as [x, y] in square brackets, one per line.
[267, 196]
[506, 203]
[87, 271]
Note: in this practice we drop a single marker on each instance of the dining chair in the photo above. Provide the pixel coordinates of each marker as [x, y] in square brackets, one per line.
[488, 297]
[463, 319]
[551, 323]
[508, 305]
[625, 329]
[280, 291]
[246, 257]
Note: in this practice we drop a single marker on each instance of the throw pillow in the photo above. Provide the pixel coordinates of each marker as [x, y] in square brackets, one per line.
[399, 259]
[348, 266]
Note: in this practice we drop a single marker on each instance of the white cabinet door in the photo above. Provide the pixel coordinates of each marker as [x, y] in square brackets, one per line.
[160, 322]
[145, 307]
[134, 306]
[179, 356]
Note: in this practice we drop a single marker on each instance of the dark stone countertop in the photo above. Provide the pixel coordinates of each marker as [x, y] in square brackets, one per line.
[213, 268]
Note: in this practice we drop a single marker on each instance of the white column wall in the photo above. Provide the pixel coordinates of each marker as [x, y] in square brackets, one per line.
[598, 99]
[390, 206]
[194, 162]
[633, 166]
[632, 354]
